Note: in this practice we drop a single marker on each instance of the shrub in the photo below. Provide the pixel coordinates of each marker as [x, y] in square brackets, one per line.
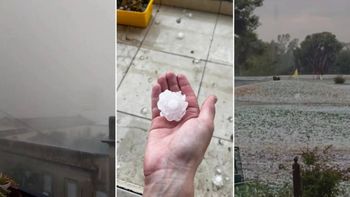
[339, 80]
[258, 189]
[5, 184]
[276, 78]
[319, 177]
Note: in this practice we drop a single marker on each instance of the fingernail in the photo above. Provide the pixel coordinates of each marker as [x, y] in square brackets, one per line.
[215, 99]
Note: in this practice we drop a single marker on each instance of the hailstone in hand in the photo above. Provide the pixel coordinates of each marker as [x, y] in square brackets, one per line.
[172, 105]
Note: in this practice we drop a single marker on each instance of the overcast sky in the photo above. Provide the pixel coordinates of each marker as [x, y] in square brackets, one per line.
[302, 17]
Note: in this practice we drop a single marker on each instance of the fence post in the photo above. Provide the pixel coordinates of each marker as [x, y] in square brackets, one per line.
[296, 178]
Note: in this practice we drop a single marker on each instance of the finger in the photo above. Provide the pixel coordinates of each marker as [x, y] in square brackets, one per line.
[207, 112]
[162, 82]
[156, 90]
[172, 82]
[187, 90]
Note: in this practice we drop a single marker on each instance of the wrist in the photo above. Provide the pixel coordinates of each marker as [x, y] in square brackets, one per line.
[170, 182]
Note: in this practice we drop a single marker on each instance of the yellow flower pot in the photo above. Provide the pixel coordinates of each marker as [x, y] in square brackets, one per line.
[137, 19]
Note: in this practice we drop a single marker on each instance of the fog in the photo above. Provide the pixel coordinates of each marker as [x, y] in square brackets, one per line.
[56, 94]
[302, 17]
[57, 59]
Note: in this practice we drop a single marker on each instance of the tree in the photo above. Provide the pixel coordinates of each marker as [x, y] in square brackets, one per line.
[274, 58]
[282, 41]
[317, 53]
[246, 46]
[342, 65]
[245, 24]
[292, 45]
[263, 61]
[245, 20]
[284, 48]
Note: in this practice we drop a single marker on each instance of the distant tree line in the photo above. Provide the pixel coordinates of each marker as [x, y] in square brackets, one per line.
[318, 54]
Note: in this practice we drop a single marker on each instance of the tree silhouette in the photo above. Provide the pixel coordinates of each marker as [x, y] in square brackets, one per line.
[317, 53]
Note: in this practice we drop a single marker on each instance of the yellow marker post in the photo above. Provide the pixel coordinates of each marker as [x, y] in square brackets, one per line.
[296, 73]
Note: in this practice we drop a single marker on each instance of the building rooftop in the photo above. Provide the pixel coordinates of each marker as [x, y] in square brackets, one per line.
[74, 133]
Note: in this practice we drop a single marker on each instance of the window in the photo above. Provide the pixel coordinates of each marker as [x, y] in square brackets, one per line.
[47, 183]
[71, 188]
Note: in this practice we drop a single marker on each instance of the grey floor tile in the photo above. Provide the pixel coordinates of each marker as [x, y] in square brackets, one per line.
[197, 32]
[131, 140]
[222, 47]
[132, 134]
[124, 193]
[135, 92]
[217, 81]
[130, 35]
[125, 53]
[217, 161]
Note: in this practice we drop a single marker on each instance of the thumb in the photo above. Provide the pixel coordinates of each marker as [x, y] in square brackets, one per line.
[207, 112]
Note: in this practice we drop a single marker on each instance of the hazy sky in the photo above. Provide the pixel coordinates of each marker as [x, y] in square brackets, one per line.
[302, 17]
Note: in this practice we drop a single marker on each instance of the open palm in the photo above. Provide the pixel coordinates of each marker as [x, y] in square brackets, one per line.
[178, 145]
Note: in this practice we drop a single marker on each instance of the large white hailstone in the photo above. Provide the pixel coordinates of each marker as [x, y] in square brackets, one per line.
[172, 105]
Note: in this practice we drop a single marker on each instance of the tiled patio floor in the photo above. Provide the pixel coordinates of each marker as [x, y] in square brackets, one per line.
[204, 55]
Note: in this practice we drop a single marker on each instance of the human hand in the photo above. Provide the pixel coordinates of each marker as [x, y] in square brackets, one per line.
[175, 149]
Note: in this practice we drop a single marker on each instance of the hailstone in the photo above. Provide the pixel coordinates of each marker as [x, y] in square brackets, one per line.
[172, 105]
[218, 181]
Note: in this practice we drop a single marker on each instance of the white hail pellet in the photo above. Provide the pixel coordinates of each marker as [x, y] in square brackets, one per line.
[172, 105]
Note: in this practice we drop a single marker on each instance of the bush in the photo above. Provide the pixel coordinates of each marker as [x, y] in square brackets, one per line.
[339, 80]
[276, 78]
[258, 189]
[5, 184]
[319, 177]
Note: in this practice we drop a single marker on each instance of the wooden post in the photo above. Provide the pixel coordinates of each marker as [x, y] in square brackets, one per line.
[296, 178]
